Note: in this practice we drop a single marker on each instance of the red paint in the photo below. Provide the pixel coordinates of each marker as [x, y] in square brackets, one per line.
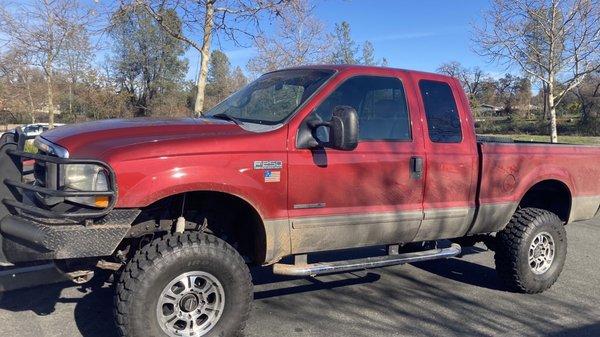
[575, 166]
[157, 158]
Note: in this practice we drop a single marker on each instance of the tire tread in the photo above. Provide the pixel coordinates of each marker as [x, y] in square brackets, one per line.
[150, 254]
[510, 240]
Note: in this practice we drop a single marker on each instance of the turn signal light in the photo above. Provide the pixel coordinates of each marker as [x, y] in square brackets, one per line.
[101, 202]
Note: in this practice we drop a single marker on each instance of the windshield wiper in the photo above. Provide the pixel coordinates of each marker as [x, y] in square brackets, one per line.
[227, 117]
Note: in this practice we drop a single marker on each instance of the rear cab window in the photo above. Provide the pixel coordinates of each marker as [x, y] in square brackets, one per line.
[441, 112]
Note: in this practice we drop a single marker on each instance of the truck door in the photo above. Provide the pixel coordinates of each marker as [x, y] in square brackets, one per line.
[371, 195]
[451, 175]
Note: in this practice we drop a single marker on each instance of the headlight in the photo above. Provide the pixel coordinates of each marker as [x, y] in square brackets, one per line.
[85, 177]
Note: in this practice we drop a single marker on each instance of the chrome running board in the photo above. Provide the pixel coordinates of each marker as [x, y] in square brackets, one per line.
[305, 269]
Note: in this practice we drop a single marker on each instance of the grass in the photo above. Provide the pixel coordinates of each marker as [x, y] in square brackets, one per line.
[30, 148]
[561, 139]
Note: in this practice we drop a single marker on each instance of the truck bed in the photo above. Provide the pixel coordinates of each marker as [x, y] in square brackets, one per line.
[508, 169]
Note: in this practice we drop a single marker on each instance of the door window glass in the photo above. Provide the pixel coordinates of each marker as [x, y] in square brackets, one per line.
[380, 103]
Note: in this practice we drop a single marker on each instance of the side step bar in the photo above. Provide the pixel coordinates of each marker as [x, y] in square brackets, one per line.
[304, 269]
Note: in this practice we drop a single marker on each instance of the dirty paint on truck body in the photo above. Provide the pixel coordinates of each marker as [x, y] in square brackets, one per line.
[324, 199]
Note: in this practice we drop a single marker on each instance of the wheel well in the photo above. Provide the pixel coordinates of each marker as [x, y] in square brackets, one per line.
[551, 195]
[227, 216]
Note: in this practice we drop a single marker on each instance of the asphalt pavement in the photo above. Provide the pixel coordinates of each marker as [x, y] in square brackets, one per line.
[455, 297]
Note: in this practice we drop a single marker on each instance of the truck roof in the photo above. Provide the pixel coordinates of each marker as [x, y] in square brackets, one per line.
[365, 68]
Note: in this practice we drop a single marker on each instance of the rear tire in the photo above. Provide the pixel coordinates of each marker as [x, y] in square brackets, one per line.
[531, 250]
[191, 283]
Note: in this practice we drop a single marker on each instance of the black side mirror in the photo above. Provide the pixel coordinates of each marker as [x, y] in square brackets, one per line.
[343, 130]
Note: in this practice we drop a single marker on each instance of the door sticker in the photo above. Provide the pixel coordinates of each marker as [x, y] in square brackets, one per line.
[272, 176]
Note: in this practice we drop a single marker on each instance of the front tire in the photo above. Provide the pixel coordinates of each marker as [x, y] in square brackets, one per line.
[531, 250]
[190, 284]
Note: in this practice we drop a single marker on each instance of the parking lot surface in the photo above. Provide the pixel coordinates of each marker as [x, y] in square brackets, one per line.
[456, 297]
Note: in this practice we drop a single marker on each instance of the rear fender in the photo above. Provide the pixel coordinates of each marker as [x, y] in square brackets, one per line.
[543, 174]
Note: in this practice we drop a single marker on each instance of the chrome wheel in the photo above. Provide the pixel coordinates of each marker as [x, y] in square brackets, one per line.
[190, 305]
[541, 253]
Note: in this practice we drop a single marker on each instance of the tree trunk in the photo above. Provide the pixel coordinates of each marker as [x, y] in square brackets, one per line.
[552, 109]
[71, 100]
[31, 107]
[204, 57]
[545, 99]
[49, 77]
[48, 65]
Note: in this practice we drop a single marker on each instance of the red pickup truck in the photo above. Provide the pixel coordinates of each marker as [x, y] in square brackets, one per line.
[302, 160]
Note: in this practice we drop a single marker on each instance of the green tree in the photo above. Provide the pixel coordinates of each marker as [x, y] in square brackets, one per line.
[218, 85]
[238, 79]
[231, 19]
[345, 47]
[523, 96]
[148, 63]
[222, 82]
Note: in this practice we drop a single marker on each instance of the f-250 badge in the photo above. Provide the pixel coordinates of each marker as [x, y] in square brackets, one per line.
[268, 164]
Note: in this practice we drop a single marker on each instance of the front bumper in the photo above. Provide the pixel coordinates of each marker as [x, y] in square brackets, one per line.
[32, 231]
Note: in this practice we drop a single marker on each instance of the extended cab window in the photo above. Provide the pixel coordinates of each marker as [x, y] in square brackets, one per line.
[380, 103]
[441, 112]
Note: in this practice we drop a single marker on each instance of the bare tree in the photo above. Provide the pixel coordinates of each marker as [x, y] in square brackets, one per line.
[16, 72]
[470, 78]
[233, 19]
[299, 39]
[40, 28]
[555, 42]
[588, 95]
[75, 60]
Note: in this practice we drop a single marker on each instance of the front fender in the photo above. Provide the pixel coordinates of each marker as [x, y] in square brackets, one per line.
[143, 182]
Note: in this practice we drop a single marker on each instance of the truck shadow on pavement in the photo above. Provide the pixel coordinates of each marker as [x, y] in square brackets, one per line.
[419, 301]
[464, 271]
[592, 330]
[93, 304]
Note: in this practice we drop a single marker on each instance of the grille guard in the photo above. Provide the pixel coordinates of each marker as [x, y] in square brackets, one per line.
[13, 187]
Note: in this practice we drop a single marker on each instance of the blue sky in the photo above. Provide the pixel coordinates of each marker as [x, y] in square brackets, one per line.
[410, 34]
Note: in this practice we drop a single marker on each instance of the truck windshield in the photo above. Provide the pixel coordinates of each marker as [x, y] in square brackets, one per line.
[272, 98]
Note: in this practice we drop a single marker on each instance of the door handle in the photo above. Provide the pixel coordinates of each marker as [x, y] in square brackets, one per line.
[416, 168]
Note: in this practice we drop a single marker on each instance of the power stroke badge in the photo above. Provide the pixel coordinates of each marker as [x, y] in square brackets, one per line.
[268, 164]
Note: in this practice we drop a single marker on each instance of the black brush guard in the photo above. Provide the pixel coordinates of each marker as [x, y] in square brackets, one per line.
[30, 230]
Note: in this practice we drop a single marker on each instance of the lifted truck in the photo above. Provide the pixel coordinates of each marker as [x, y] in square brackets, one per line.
[302, 160]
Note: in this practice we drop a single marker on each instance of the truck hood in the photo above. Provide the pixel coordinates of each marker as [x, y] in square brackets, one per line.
[100, 139]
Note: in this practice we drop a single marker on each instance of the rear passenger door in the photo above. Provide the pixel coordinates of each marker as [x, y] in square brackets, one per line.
[451, 152]
[340, 199]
